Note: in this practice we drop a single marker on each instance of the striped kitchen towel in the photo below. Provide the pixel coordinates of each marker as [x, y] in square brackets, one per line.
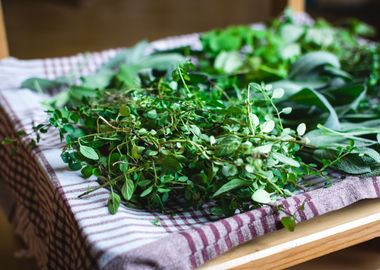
[65, 232]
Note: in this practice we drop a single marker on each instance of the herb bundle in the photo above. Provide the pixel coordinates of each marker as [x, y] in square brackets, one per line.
[227, 123]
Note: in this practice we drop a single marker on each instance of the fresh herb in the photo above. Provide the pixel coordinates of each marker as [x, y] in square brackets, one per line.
[252, 114]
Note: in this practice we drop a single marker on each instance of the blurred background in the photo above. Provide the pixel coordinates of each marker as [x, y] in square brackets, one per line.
[43, 28]
[46, 28]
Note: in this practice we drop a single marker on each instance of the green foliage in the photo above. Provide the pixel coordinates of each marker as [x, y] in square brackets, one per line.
[230, 127]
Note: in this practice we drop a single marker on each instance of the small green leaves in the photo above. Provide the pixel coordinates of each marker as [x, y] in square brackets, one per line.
[229, 128]
[113, 203]
[286, 110]
[267, 126]
[301, 129]
[278, 93]
[261, 196]
[88, 152]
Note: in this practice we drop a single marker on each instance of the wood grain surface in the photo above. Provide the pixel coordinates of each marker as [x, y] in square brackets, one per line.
[3, 36]
[314, 238]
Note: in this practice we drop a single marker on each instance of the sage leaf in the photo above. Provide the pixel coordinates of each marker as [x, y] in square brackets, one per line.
[311, 61]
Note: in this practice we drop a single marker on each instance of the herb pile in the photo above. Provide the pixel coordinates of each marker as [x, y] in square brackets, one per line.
[227, 123]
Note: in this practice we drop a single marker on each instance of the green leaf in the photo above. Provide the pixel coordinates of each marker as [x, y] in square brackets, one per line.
[88, 152]
[78, 93]
[161, 61]
[43, 85]
[301, 129]
[124, 110]
[369, 152]
[227, 145]
[135, 152]
[230, 185]
[128, 75]
[267, 126]
[195, 130]
[170, 164]
[7, 141]
[263, 149]
[113, 203]
[229, 170]
[101, 79]
[291, 87]
[323, 37]
[290, 51]
[127, 56]
[261, 196]
[123, 166]
[87, 171]
[291, 32]
[286, 160]
[352, 164]
[152, 114]
[228, 62]
[311, 61]
[146, 192]
[127, 189]
[311, 97]
[288, 223]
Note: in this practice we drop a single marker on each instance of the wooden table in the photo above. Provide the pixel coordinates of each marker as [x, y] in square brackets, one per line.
[311, 239]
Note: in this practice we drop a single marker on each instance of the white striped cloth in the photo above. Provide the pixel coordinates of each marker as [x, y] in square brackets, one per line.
[65, 232]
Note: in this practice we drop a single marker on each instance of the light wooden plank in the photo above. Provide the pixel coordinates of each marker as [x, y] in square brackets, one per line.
[297, 5]
[314, 238]
[3, 37]
[278, 6]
